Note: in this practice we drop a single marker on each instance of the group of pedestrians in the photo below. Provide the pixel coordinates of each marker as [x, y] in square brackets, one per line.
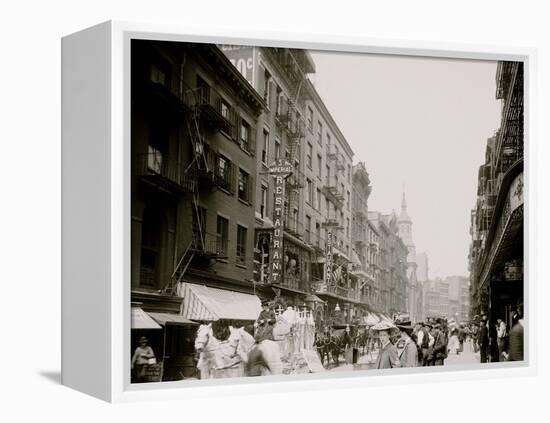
[424, 344]
[431, 341]
[496, 343]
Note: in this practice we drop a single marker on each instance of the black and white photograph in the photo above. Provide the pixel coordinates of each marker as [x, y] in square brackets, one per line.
[303, 211]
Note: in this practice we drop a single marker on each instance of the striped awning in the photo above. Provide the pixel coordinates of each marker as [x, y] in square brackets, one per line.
[141, 320]
[210, 304]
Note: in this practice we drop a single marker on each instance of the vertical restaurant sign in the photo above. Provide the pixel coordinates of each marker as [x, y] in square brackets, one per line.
[242, 57]
[328, 258]
[280, 169]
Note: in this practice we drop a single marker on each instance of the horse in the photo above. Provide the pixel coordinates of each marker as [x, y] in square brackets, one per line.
[324, 345]
[259, 359]
[217, 359]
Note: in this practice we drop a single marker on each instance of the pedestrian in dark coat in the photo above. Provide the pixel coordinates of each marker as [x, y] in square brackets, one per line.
[483, 341]
[408, 357]
[515, 340]
[440, 346]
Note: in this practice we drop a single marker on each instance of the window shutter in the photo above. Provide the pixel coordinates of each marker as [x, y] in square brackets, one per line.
[251, 189]
[261, 81]
[237, 128]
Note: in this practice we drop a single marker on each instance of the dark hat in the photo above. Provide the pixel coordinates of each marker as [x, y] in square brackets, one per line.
[143, 339]
[427, 324]
[406, 326]
[264, 302]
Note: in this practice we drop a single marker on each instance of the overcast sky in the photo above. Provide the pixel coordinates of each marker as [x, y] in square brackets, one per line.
[423, 123]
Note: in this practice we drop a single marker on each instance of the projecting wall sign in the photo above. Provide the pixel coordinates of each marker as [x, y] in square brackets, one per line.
[280, 170]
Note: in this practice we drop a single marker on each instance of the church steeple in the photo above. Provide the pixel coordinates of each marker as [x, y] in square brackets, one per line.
[404, 216]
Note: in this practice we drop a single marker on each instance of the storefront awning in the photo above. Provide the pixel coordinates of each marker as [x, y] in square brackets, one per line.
[175, 319]
[141, 320]
[210, 304]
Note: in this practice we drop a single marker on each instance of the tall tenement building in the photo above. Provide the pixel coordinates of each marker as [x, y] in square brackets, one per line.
[297, 126]
[193, 131]
[496, 251]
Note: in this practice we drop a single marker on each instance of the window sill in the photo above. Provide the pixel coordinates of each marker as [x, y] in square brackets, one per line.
[245, 202]
[226, 191]
[242, 266]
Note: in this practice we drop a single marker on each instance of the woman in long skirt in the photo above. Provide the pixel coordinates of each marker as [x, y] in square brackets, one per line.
[454, 343]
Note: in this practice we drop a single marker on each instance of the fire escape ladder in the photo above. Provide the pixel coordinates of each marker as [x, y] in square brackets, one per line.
[196, 138]
[180, 269]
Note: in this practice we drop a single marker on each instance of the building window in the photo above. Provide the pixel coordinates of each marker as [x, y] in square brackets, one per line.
[224, 171]
[157, 75]
[310, 118]
[279, 101]
[225, 108]
[347, 227]
[263, 204]
[245, 135]
[320, 133]
[241, 245]
[309, 158]
[317, 234]
[244, 186]
[277, 149]
[348, 200]
[265, 147]
[318, 199]
[295, 219]
[222, 235]
[328, 141]
[308, 229]
[328, 175]
[349, 174]
[319, 166]
[309, 192]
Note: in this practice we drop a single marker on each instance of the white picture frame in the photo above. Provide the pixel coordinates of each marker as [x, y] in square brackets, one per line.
[96, 227]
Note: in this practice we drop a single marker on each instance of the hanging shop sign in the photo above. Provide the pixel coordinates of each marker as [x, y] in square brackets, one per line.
[280, 170]
[328, 259]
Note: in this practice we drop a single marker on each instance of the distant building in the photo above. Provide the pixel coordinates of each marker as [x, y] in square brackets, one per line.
[422, 267]
[423, 276]
[414, 306]
[393, 254]
[447, 298]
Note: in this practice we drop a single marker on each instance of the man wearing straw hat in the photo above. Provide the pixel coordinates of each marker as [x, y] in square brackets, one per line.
[387, 356]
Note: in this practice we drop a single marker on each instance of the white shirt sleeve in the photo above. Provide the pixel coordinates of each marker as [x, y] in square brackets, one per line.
[420, 335]
[432, 340]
